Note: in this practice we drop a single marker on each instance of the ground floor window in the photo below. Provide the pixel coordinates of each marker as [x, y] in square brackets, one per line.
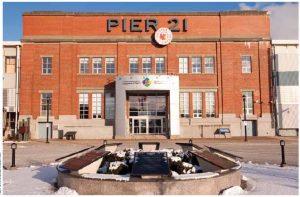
[43, 103]
[197, 104]
[83, 106]
[184, 104]
[96, 105]
[249, 102]
[109, 106]
[210, 104]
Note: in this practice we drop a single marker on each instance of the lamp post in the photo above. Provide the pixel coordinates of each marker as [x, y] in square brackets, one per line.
[245, 122]
[47, 123]
[13, 147]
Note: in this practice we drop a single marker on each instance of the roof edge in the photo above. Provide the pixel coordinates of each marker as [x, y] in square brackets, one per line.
[223, 13]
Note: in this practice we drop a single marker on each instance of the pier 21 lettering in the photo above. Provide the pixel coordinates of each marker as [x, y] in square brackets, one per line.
[175, 25]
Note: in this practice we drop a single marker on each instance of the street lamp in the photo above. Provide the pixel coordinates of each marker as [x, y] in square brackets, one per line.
[13, 147]
[47, 124]
[245, 122]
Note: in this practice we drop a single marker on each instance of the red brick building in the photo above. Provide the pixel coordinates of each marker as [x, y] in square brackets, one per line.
[107, 74]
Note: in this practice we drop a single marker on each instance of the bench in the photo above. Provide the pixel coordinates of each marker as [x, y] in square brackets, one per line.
[222, 131]
[70, 135]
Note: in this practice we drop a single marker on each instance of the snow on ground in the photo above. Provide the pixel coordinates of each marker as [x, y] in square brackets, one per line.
[235, 190]
[269, 179]
[65, 191]
[272, 179]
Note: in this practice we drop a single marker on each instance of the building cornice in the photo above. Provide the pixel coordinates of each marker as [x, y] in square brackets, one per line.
[224, 13]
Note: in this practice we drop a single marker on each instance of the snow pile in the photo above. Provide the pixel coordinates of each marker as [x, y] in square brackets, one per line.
[194, 176]
[117, 167]
[235, 190]
[65, 191]
[175, 159]
[124, 177]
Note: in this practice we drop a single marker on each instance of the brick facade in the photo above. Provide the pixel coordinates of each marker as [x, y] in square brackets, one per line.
[68, 36]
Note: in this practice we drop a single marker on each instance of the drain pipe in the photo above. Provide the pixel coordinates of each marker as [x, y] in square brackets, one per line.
[17, 90]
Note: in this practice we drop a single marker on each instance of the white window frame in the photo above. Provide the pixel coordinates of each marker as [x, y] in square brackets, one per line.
[84, 100]
[210, 105]
[146, 65]
[246, 63]
[97, 65]
[96, 105]
[248, 102]
[10, 62]
[183, 65]
[209, 62]
[196, 64]
[160, 66]
[184, 99]
[197, 105]
[46, 65]
[133, 65]
[43, 103]
[84, 67]
[110, 65]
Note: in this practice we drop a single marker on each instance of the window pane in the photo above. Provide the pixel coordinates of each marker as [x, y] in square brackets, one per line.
[209, 64]
[97, 65]
[183, 65]
[246, 64]
[196, 65]
[110, 65]
[43, 104]
[134, 65]
[248, 102]
[160, 65]
[96, 107]
[210, 104]
[109, 106]
[184, 104]
[197, 104]
[147, 65]
[46, 65]
[84, 65]
[83, 106]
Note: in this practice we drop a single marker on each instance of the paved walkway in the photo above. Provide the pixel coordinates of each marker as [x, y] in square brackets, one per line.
[258, 149]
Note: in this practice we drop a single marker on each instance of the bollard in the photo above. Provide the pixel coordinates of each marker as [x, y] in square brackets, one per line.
[190, 141]
[13, 157]
[282, 144]
[104, 141]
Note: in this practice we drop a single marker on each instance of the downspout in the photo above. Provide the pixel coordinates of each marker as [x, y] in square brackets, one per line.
[17, 90]
[222, 93]
[259, 80]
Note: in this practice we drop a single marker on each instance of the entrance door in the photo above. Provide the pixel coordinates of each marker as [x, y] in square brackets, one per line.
[43, 130]
[147, 125]
[251, 128]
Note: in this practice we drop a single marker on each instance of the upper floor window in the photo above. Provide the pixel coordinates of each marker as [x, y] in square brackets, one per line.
[96, 105]
[97, 65]
[160, 65]
[183, 65]
[246, 64]
[83, 106]
[43, 103]
[10, 64]
[184, 104]
[210, 104]
[84, 65]
[209, 64]
[248, 102]
[110, 65]
[134, 65]
[196, 65]
[147, 65]
[46, 65]
[197, 104]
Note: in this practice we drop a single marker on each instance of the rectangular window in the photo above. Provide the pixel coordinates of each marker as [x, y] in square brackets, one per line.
[147, 65]
[197, 104]
[43, 103]
[183, 65]
[84, 65]
[210, 104]
[97, 65]
[196, 65]
[134, 65]
[209, 64]
[249, 102]
[46, 65]
[109, 106]
[160, 65]
[83, 106]
[110, 64]
[246, 64]
[10, 64]
[97, 103]
[184, 104]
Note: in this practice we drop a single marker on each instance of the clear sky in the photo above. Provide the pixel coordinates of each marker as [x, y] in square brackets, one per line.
[12, 11]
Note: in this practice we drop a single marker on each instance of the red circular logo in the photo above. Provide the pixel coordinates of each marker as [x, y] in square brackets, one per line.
[163, 36]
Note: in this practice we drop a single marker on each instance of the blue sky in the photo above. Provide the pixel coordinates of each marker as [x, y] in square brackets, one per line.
[12, 11]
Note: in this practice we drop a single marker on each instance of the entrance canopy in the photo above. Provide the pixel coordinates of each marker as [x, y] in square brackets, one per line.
[150, 84]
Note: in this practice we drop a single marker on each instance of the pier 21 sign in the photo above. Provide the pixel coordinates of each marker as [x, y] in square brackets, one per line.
[176, 25]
